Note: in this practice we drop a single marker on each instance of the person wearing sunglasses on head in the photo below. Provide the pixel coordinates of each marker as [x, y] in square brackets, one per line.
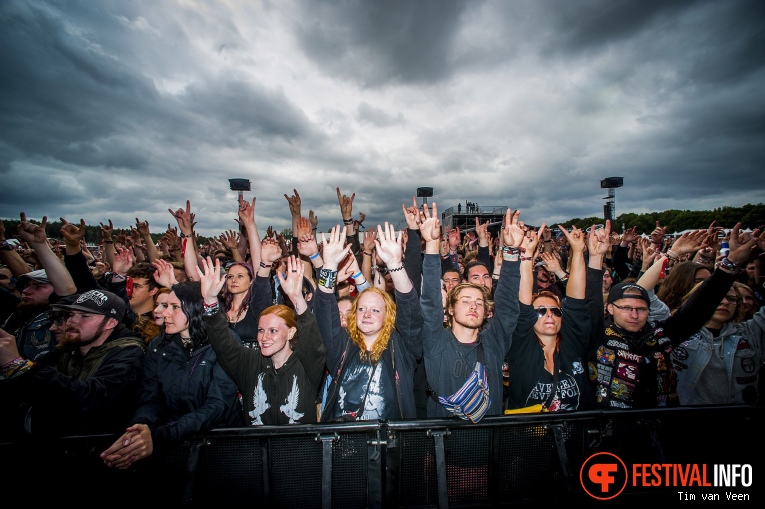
[547, 358]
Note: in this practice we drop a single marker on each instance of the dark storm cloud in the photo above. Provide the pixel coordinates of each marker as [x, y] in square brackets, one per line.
[376, 43]
[116, 110]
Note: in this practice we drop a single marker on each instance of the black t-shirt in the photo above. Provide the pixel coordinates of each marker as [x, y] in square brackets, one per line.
[370, 384]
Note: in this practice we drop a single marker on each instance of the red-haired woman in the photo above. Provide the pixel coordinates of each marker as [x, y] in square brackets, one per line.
[278, 381]
[372, 362]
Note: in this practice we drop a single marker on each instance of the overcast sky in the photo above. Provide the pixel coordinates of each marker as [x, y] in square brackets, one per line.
[116, 109]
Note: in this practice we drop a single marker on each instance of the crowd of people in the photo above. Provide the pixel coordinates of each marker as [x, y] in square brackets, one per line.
[156, 341]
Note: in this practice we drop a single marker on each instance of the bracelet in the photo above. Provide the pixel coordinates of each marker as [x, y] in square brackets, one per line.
[347, 221]
[264, 266]
[367, 254]
[327, 278]
[16, 367]
[548, 240]
[730, 266]
[526, 258]
[397, 268]
[673, 256]
[183, 235]
[12, 363]
[108, 242]
[357, 275]
[210, 309]
[379, 270]
[314, 256]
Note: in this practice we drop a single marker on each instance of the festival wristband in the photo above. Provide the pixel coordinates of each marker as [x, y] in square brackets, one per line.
[327, 278]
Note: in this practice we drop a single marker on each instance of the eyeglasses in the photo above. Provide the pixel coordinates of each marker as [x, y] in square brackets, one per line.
[542, 311]
[630, 309]
[733, 299]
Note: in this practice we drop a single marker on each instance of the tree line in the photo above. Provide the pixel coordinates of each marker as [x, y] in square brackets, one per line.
[750, 216]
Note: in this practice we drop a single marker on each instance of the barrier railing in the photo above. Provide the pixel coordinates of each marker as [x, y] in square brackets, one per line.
[502, 461]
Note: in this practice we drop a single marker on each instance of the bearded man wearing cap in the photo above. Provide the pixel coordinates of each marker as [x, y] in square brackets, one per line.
[632, 364]
[88, 384]
[30, 322]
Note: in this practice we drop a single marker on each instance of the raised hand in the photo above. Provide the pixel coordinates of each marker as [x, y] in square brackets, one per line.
[389, 246]
[291, 283]
[346, 205]
[531, 240]
[689, 242]
[369, 241]
[482, 231]
[294, 203]
[230, 240]
[334, 247]
[513, 230]
[143, 228]
[185, 218]
[630, 235]
[303, 228]
[270, 251]
[32, 233]
[430, 229]
[599, 239]
[247, 212]
[412, 215]
[211, 280]
[72, 233]
[313, 219]
[576, 237]
[164, 275]
[657, 235]
[740, 251]
[123, 260]
[551, 262]
[106, 231]
[307, 245]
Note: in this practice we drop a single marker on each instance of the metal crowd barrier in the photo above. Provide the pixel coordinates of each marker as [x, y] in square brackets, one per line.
[517, 460]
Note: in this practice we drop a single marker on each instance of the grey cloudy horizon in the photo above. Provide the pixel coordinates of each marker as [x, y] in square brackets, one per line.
[117, 110]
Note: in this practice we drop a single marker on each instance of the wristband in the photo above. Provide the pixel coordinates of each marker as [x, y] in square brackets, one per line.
[347, 221]
[526, 258]
[728, 265]
[367, 254]
[327, 278]
[357, 275]
[511, 254]
[108, 242]
[314, 256]
[183, 247]
[264, 266]
[397, 268]
[210, 309]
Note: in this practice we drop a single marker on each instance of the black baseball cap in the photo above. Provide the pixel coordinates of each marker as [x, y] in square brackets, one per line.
[99, 302]
[617, 292]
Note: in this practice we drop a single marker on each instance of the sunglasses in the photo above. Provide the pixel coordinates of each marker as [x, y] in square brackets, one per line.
[555, 310]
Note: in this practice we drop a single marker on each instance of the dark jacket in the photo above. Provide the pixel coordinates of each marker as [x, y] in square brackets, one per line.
[448, 362]
[185, 391]
[270, 397]
[634, 370]
[530, 382]
[404, 348]
[69, 393]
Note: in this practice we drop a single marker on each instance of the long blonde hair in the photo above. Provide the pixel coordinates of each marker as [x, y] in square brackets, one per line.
[381, 343]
